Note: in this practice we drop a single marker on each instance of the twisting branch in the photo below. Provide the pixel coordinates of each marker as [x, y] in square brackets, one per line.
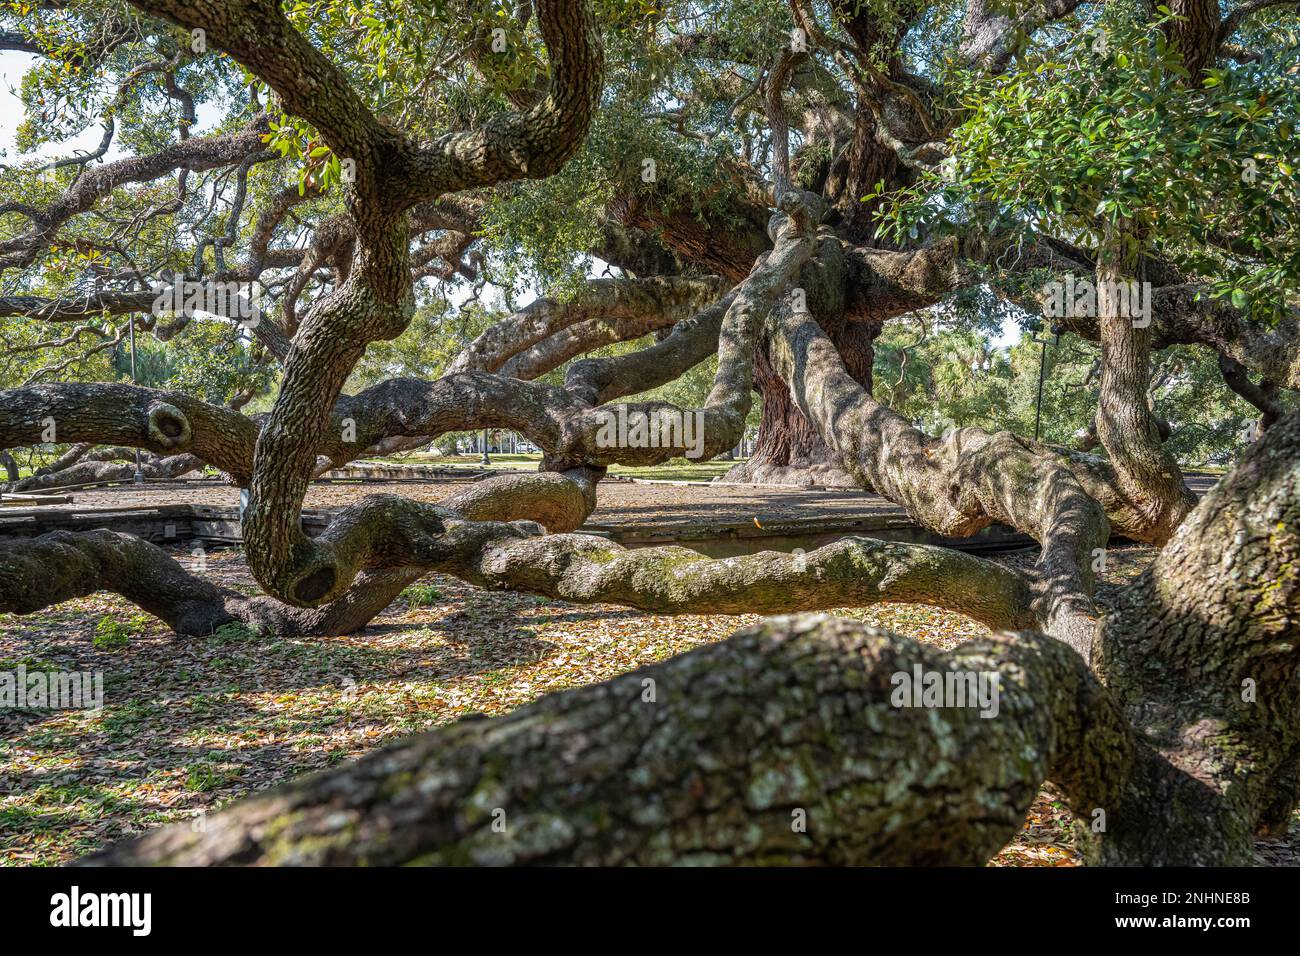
[1263, 396]
[606, 301]
[197, 153]
[257, 34]
[777, 77]
[62, 565]
[530, 144]
[955, 485]
[851, 572]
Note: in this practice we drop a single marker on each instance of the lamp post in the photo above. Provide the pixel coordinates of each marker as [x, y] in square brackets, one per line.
[139, 476]
[1042, 371]
[486, 459]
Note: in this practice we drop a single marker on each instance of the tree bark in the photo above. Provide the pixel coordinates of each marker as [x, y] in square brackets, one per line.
[788, 450]
[778, 746]
[1148, 476]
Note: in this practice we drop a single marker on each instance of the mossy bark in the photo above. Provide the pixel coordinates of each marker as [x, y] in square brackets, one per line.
[780, 745]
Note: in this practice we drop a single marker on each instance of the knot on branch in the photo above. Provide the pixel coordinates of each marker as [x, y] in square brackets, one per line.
[313, 587]
[805, 211]
[168, 426]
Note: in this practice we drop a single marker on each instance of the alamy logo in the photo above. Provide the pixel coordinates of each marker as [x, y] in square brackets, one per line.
[75, 908]
[1079, 298]
[922, 688]
[227, 300]
[656, 428]
[53, 690]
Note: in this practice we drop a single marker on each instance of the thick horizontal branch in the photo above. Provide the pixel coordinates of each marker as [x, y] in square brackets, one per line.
[166, 423]
[1185, 314]
[883, 284]
[628, 307]
[62, 565]
[851, 572]
[75, 308]
[601, 380]
[195, 153]
[557, 502]
[783, 744]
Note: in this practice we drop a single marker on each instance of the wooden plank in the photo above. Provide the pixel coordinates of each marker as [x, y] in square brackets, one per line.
[181, 510]
[16, 500]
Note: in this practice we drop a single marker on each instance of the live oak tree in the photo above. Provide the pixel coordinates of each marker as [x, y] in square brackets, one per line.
[770, 186]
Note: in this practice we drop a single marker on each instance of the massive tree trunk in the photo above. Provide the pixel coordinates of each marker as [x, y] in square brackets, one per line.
[1201, 653]
[777, 746]
[788, 450]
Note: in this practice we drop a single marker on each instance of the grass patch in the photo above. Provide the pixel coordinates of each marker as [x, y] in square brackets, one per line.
[206, 777]
[113, 634]
[237, 631]
[422, 595]
[678, 469]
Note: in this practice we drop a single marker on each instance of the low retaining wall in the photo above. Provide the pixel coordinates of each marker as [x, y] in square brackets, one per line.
[394, 471]
[219, 527]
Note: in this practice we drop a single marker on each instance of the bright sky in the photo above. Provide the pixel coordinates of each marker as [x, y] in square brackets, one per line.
[12, 67]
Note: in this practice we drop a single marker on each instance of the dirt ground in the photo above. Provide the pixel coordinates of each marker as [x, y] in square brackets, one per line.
[618, 502]
[665, 505]
[190, 724]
